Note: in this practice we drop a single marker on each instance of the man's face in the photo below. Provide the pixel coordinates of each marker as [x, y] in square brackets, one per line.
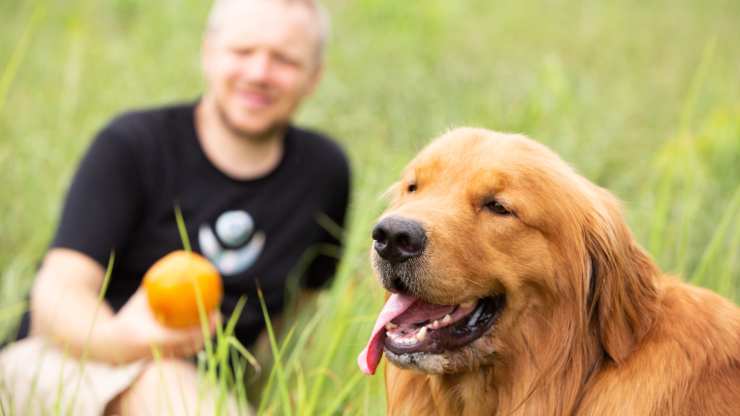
[260, 61]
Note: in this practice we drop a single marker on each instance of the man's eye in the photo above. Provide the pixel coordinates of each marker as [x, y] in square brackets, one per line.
[286, 60]
[242, 51]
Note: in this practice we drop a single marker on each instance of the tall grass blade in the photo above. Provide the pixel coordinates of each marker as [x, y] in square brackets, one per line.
[278, 365]
[11, 68]
[343, 394]
[697, 82]
[327, 358]
[86, 349]
[712, 251]
[726, 284]
[182, 229]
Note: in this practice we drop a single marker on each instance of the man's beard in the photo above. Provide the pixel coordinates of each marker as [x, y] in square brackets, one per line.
[275, 129]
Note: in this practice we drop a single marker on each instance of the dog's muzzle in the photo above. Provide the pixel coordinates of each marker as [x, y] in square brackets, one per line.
[399, 239]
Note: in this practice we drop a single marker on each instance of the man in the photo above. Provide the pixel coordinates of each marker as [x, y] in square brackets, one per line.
[256, 194]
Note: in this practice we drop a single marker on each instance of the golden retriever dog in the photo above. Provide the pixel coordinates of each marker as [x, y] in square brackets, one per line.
[516, 288]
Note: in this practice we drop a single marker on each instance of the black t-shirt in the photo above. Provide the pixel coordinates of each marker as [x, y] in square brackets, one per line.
[257, 232]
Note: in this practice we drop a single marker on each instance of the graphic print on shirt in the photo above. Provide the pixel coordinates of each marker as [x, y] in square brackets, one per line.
[235, 230]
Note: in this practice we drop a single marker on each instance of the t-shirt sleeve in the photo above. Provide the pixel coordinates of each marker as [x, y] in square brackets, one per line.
[104, 199]
[333, 225]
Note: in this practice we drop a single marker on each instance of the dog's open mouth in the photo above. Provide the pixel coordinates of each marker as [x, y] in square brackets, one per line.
[409, 325]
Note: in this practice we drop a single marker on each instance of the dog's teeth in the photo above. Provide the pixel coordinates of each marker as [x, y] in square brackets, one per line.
[408, 341]
[390, 326]
[447, 319]
[474, 318]
[435, 325]
[421, 336]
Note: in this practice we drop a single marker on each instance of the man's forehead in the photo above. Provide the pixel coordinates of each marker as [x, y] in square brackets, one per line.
[240, 15]
[288, 26]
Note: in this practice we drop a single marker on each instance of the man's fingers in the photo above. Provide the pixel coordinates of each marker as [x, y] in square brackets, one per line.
[186, 342]
[188, 350]
[192, 344]
[215, 320]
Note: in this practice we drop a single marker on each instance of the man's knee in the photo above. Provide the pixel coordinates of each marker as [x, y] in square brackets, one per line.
[166, 371]
[161, 386]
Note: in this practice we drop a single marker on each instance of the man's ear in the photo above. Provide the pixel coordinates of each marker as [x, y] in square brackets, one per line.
[205, 51]
[624, 297]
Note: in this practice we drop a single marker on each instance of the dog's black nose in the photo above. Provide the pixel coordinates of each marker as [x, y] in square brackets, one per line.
[399, 239]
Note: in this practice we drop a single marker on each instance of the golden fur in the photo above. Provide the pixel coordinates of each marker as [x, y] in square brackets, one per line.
[591, 325]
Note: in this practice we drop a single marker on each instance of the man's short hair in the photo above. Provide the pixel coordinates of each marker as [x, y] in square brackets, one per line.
[220, 7]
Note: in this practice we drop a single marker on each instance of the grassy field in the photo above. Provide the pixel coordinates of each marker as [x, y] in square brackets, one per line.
[641, 97]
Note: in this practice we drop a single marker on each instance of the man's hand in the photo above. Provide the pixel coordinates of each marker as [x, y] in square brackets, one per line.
[136, 331]
[67, 310]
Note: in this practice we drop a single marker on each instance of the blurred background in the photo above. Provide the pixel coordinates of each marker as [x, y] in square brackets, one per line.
[642, 97]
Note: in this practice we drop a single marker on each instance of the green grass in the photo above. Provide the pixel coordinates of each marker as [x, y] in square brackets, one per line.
[641, 97]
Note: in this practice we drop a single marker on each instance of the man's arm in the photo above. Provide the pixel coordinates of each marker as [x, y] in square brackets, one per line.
[67, 309]
[64, 302]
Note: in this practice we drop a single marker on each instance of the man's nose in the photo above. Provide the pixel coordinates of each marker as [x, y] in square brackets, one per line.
[399, 239]
[257, 66]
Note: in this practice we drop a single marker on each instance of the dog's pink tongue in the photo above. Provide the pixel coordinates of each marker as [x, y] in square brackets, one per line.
[370, 356]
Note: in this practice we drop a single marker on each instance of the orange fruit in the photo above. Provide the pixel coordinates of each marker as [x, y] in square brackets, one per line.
[171, 284]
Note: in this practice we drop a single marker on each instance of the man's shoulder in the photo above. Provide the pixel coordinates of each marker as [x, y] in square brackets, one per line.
[151, 118]
[143, 131]
[320, 146]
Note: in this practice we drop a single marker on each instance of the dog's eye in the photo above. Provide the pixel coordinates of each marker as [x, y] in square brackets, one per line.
[497, 208]
[411, 188]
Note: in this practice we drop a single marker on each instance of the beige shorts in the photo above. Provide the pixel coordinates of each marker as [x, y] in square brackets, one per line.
[36, 378]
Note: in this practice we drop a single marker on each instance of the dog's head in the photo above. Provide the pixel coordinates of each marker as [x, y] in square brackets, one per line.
[493, 247]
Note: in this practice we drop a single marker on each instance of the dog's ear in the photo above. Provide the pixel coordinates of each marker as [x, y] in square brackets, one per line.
[623, 298]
